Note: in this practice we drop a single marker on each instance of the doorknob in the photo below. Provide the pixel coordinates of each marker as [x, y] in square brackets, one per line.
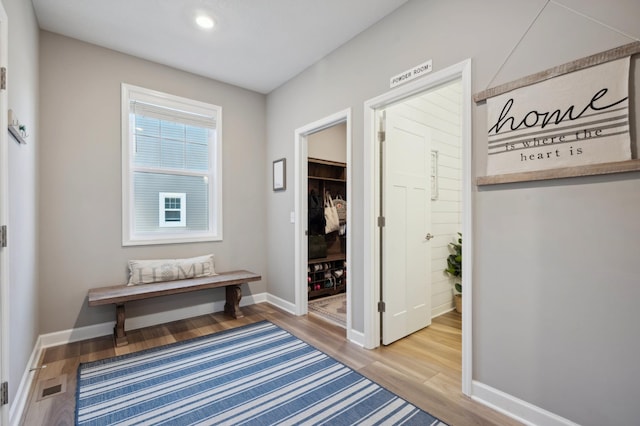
[428, 237]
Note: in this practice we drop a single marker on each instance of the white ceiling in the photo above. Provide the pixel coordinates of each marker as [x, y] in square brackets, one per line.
[256, 44]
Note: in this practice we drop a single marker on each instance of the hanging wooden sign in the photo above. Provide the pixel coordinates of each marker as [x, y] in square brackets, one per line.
[572, 116]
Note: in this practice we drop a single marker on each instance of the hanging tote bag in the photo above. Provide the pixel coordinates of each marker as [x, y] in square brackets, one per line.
[330, 215]
[341, 208]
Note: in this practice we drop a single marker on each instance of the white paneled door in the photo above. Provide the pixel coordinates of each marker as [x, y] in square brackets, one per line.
[406, 198]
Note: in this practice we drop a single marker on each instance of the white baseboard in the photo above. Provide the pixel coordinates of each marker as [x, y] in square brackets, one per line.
[515, 408]
[282, 304]
[76, 334]
[441, 310]
[356, 337]
[22, 394]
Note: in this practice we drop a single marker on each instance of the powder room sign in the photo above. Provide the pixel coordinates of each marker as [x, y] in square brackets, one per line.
[571, 116]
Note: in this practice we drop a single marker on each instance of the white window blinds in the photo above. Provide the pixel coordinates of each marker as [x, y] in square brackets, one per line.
[175, 115]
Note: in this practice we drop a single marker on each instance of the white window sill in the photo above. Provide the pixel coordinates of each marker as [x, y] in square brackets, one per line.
[157, 240]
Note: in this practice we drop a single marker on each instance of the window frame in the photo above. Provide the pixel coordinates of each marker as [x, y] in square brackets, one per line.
[214, 175]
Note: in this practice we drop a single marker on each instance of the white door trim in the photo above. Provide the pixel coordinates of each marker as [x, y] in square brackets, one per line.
[4, 216]
[371, 248]
[300, 214]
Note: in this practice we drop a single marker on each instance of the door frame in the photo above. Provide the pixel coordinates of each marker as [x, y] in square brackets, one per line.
[300, 202]
[4, 215]
[371, 248]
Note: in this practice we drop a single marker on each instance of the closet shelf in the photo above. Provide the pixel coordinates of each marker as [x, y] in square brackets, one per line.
[326, 162]
[330, 171]
[327, 291]
[329, 258]
[328, 178]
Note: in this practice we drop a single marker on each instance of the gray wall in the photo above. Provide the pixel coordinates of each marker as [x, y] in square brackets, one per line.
[80, 180]
[22, 89]
[555, 265]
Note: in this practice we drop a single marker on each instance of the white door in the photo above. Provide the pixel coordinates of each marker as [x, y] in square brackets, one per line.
[406, 198]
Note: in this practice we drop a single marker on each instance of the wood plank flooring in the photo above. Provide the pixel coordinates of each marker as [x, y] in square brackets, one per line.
[424, 368]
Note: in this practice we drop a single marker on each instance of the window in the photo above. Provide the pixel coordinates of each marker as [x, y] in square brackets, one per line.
[172, 206]
[171, 165]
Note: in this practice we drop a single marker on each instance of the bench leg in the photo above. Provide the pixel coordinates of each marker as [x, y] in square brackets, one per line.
[118, 330]
[232, 306]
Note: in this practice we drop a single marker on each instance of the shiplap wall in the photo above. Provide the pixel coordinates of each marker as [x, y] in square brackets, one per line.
[440, 109]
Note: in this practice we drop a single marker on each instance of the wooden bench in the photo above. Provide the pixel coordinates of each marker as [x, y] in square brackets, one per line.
[119, 294]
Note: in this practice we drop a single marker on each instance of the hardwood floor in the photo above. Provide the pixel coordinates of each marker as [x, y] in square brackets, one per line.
[424, 368]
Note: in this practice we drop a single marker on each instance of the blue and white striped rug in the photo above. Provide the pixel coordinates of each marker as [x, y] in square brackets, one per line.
[257, 374]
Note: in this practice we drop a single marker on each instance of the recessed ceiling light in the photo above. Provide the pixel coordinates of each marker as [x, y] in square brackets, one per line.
[204, 21]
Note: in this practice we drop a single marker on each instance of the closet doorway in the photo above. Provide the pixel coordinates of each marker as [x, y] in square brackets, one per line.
[322, 178]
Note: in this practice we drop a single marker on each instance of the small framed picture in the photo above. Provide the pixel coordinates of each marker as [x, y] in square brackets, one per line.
[280, 174]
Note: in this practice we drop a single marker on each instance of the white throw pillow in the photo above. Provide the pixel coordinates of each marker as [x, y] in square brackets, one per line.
[151, 271]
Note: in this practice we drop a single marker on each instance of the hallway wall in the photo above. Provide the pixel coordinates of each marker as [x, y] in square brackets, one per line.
[555, 269]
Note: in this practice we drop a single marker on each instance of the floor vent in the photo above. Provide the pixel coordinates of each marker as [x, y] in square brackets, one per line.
[51, 391]
[52, 387]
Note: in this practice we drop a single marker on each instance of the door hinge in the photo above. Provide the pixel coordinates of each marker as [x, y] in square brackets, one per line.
[381, 221]
[3, 78]
[381, 306]
[3, 236]
[381, 135]
[4, 393]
